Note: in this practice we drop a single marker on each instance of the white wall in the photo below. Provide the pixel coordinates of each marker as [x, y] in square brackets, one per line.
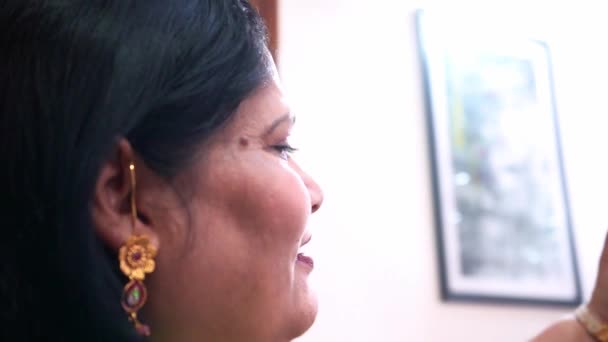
[352, 73]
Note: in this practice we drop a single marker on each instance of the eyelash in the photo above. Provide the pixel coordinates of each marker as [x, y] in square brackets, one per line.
[285, 150]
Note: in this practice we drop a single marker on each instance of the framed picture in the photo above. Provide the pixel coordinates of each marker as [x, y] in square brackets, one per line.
[503, 225]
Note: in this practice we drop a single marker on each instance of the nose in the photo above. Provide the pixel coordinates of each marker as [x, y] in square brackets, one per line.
[316, 194]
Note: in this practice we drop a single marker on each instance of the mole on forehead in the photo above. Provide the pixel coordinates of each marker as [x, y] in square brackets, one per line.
[243, 142]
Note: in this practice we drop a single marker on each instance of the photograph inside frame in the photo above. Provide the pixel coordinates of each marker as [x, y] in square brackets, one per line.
[504, 231]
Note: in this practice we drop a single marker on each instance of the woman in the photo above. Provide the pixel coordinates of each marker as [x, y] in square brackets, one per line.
[149, 189]
[186, 91]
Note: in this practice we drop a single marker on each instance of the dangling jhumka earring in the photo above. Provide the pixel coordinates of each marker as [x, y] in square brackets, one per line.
[136, 258]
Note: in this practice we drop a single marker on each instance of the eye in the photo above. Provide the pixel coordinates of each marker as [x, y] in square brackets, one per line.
[285, 150]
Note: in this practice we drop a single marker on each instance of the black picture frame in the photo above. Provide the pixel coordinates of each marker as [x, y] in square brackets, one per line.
[503, 226]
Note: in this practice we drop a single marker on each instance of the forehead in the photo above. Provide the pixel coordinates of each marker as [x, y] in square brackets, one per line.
[262, 107]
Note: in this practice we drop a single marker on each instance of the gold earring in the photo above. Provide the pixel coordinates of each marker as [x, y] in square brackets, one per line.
[136, 258]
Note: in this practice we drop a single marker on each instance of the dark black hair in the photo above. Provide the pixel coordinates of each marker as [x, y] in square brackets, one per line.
[76, 76]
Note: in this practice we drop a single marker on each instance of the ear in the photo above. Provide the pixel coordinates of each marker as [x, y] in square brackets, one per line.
[111, 210]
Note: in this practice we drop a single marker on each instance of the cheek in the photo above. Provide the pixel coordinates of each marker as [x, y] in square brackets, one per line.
[257, 210]
[279, 205]
[257, 225]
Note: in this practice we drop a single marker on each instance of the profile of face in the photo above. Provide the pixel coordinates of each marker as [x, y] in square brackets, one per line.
[229, 231]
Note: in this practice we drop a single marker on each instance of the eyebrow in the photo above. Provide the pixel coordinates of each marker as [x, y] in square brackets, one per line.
[279, 121]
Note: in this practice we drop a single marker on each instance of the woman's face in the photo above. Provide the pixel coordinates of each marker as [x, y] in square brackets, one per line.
[230, 266]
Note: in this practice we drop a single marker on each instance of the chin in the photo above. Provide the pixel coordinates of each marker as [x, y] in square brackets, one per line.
[305, 316]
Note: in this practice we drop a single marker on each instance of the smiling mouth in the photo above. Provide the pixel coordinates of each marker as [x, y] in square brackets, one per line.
[303, 258]
[306, 260]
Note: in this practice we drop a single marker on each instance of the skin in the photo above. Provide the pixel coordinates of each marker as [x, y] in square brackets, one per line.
[569, 329]
[228, 230]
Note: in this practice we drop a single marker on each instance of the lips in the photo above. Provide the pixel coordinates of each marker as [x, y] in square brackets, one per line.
[303, 258]
[306, 260]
